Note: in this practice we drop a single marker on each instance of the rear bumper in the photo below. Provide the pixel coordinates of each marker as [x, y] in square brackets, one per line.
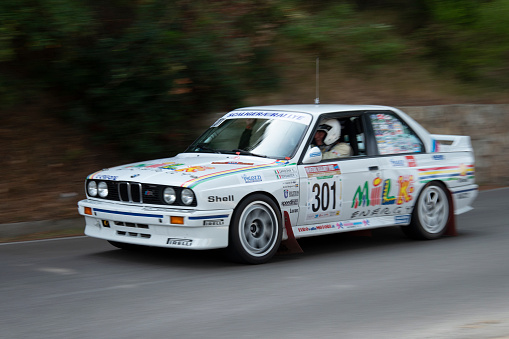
[152, 226]
[463, 197]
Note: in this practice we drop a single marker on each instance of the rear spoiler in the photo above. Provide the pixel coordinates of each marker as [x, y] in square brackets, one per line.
[451, 143]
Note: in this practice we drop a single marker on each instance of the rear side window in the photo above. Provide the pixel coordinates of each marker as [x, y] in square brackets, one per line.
[393, 136]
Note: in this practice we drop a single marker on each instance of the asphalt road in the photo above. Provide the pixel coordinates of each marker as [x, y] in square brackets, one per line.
[383, 286]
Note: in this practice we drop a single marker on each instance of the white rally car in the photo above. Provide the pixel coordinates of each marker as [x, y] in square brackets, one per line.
[262, 175]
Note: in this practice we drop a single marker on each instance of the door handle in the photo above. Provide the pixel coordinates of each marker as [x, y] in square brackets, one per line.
[373, 168]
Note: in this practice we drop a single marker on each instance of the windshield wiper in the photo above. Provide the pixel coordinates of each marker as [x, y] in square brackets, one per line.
[243, 152]
[205, 147]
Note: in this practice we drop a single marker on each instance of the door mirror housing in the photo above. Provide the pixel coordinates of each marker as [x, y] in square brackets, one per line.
[313, 155]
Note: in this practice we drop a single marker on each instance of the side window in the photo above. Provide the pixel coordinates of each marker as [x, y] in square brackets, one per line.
[393, 136]
[340, 137]
[353, 132]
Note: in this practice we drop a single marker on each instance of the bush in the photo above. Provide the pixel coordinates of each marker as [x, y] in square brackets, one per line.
[336, 32]
[133, 73]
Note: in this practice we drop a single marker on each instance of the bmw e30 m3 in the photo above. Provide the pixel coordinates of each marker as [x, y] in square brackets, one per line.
[262, 175]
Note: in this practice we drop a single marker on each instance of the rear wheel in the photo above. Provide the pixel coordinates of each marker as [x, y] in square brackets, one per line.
[255, 231]
[431, 213]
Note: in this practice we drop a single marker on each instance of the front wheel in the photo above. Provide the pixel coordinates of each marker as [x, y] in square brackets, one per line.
[256, 230]
[431, 214]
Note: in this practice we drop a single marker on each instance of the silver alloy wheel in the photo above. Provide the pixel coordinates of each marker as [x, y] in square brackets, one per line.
[258, 228]
[433, 209]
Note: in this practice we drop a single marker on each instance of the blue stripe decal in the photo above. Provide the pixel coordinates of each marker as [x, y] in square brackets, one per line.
[438, 176]
[471, 189]
[129, 213]
[209, 217]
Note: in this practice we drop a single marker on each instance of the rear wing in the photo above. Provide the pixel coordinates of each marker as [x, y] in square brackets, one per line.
[451, 143]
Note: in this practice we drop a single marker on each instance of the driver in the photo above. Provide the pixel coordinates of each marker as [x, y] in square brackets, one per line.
[326, 138]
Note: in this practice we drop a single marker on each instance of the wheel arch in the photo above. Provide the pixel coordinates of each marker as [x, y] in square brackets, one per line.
[265, 193]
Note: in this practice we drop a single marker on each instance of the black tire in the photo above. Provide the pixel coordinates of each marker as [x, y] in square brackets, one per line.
[431, 214]
[124, 246]
[256, 230]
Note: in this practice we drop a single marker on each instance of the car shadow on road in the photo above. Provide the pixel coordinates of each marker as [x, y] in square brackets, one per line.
[312, 246]
[318, 246]
[165, 257]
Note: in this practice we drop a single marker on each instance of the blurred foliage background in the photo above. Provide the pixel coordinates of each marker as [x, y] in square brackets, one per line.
[139, 75]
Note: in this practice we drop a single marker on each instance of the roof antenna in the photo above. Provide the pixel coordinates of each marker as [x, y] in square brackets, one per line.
[317, 99]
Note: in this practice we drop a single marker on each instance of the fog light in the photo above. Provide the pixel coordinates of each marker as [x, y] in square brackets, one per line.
[106, 223]
[177, 220]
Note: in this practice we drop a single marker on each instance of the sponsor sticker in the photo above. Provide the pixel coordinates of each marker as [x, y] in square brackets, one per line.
[155, 164]
[194, 169]
[411, 161]
[317, 228]
[292, 202]
[171, 166]
[290, 194]
[353, 225]
[322, 170]
[286, 173]
[298, 117]
[291, 184]
[180, 242]
[401, 219]
[217, 198]
[462, 195]
[397, 162]
[251, 178]
[213, 222]
[106, 177]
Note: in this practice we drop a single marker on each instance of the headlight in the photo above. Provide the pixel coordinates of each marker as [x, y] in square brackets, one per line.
[92, 188]
[169, 195]
[102, 188]
[187, 196]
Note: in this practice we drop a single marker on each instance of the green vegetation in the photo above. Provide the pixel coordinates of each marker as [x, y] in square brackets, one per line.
[137, 74]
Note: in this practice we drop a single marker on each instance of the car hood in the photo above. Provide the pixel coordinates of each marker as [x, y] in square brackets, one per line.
[186, 170]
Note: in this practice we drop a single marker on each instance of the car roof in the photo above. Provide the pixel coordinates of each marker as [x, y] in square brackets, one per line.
[316, 109]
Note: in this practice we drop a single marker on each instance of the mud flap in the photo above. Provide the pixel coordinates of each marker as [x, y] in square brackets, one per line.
[451, 227]
[451, 223]
[290, 245]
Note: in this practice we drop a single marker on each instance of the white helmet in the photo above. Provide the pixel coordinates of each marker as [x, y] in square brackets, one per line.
[332, 130]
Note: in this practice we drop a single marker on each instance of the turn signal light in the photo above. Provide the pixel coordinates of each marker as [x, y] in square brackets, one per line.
[88, 210]
[177, 220]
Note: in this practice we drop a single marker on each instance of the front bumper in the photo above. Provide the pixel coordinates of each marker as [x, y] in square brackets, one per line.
[152, 226]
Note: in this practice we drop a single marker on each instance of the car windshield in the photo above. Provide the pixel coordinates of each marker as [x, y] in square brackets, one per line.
[263, 137]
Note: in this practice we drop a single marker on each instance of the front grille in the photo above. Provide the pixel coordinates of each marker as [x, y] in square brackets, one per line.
[129, 192]
[113, 193]
[152, 194]
[135, 192]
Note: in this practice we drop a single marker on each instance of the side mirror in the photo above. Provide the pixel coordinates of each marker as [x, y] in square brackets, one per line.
[313, 155]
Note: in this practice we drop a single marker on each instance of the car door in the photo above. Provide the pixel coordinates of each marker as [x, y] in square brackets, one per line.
[401, 150]
[335, 189]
